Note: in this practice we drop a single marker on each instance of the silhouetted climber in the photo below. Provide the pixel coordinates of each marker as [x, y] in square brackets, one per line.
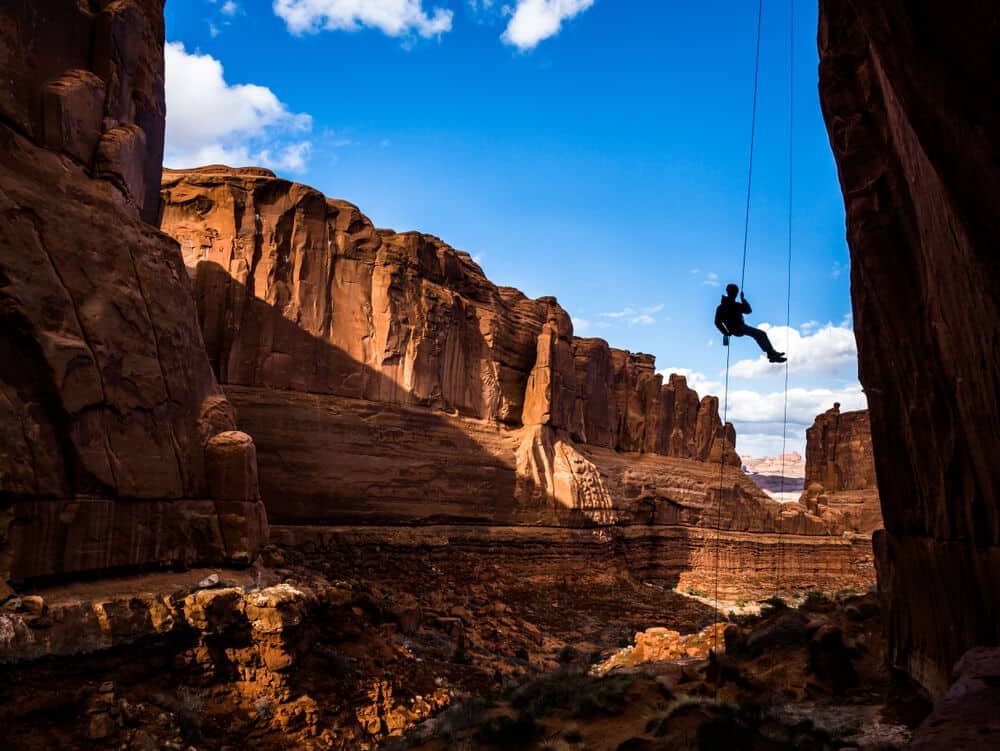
[729, 320]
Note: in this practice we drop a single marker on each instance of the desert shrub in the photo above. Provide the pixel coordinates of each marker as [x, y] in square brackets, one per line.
[567, 655]
[817, 602]
[572, 734]
[724, 731]
[508, 732]
[772, 605]
[582, 696]
[459, 717]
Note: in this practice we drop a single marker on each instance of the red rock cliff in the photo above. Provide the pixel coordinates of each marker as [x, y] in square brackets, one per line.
[909, 96]
[299, 291]
[840, 470]
[388, 382]
[117, 447]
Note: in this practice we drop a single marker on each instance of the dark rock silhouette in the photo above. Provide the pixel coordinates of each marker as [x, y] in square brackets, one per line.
[908, 94]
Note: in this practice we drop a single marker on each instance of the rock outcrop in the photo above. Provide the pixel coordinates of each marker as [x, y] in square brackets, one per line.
[908, 97]
[840, 470]
[387, 381]
[108, 405]
[298, 291]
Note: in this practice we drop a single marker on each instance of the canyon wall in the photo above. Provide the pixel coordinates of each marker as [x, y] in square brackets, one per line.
[298, 291]
[840, 470]
[387, 382]
[908, 94]
[117, 447]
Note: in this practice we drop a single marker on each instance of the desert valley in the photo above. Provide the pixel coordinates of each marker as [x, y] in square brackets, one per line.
[272, 477]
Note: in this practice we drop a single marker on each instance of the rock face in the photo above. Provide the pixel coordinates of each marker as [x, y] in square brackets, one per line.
[107, 401]
[907, 94]
[298, 291]
[840, 470]
[387, 381]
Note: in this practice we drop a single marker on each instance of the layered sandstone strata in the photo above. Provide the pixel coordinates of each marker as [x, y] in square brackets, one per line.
[840, 470]
[908, 96]
[387, 381]
[299, 291]
[110, 414]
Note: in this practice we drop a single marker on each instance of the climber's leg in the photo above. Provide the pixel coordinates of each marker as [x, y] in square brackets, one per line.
[762, 341]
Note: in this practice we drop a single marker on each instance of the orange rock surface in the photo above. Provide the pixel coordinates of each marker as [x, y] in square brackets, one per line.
[840, 471]
[107, 402]
[386, 380]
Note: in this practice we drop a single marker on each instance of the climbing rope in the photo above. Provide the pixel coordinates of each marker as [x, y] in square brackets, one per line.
[788, 289]
[788, 293]
[743, 273]
[753, 135]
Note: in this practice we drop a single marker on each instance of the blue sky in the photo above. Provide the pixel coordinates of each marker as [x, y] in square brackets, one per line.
[588, 149]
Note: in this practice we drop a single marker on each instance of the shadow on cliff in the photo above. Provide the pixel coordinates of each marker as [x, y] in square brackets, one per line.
[337, 441]
[337, 456]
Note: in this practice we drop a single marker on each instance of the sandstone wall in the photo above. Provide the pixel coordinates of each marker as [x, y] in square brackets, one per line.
[299, 291]
[908, 93]
[840, 470]
[117, 446]
[388, 382]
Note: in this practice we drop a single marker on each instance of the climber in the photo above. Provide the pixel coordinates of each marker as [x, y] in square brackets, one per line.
[729, 320]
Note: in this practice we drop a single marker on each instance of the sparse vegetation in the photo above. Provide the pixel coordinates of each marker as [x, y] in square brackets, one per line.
[508, 732]
[459, 717]
[772, 605]
[581, 696]
[567, 655]
[572, 734]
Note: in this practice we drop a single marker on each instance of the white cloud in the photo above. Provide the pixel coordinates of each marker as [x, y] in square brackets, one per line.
[581, 326]
[712, 280]
[824, 351]
[211, 121]
[636, 317]
[759, 417]
[695, 380]
[746, 406]
[395, 18]
[481, 8]
[766, 444]
[535, 20]
[229, 8]
[838, 269]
